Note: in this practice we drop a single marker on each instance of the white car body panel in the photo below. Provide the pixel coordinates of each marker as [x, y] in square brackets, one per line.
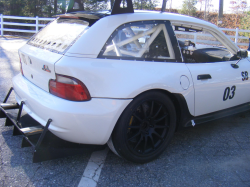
[33, 60]
[209, 93]
[124, 79]
[88, 122]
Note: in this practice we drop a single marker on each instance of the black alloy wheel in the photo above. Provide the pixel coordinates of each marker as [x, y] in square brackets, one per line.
[145, 127]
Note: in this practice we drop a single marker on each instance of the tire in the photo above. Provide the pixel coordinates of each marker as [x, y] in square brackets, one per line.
[145, 128]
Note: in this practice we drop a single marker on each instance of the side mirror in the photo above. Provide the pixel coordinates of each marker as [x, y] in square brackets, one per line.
[242, 54]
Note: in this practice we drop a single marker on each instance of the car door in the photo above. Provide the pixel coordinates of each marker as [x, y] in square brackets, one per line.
[219, 86]
[220, 77]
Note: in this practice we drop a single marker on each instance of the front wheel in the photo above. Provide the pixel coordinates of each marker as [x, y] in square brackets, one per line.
[145, 128]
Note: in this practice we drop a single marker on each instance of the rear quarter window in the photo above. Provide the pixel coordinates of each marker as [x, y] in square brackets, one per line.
[142, 40]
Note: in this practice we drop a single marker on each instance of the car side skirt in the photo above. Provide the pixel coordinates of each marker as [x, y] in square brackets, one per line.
[221, 114]
[185, 118]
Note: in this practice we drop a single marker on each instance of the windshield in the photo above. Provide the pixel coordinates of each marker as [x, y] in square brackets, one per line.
[59, 35]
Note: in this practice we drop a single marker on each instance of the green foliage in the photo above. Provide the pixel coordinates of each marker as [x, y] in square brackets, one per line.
[145, 4]
[11, 7]
[42, 8]
[245, 23]
[48, 8]
[188, 7]
[96, 4]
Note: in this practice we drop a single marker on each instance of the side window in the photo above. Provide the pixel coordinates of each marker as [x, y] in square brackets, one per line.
[201, 46]
[144, 40]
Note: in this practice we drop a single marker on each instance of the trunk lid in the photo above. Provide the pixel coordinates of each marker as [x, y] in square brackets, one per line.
[38, 65]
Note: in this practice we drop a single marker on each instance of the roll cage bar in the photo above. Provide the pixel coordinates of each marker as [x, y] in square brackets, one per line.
[154, 31]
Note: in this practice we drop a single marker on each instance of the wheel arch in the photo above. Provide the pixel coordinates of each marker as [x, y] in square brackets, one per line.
[182, 112]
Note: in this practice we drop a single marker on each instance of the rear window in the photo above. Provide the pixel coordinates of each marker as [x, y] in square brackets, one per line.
[59, 35]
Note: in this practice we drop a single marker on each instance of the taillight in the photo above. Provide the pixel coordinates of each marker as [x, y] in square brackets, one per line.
[69, 88]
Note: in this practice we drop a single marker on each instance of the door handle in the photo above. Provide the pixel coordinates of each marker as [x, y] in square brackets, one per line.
[204, 76]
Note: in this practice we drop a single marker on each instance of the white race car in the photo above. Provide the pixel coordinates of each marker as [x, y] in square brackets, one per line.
[130, 80]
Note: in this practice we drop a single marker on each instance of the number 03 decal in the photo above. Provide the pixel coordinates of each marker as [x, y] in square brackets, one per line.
[229, 94]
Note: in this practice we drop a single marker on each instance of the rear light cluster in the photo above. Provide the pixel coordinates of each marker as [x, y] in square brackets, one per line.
[69, 88]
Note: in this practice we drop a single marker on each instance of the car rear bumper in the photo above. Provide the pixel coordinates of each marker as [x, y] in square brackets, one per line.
[89, 122]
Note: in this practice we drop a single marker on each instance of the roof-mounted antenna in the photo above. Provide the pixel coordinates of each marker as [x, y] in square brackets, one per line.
[127, 7]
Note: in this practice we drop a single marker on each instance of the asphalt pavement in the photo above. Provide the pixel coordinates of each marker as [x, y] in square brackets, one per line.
[212, 154]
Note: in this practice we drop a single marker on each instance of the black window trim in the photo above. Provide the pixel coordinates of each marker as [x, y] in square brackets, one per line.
[171, 34]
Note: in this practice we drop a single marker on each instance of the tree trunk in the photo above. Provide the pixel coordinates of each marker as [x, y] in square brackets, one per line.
[35, 9]
[55, 6]
[221, 10]
[111, 4]
[163, 5]
[64, 7]
[49, 8]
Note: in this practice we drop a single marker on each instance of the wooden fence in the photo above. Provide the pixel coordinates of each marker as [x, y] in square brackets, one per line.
[37, 25]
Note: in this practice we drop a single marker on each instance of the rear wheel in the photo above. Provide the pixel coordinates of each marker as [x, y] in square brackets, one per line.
[145, 128]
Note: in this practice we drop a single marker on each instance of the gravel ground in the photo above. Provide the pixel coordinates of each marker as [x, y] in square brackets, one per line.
[212, 154]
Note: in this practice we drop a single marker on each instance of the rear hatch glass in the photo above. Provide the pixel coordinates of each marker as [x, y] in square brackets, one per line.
[59, 34]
